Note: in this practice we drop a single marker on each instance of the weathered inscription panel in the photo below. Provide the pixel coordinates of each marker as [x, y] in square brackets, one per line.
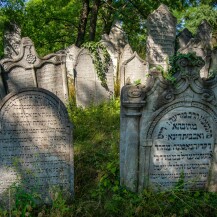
[18, 78]
[35, 143]
[183, 144]
[161, 37]
[50, 77]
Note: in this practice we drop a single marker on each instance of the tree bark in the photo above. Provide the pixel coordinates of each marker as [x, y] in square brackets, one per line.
[83, 22]
[93, 19]
[108, 18]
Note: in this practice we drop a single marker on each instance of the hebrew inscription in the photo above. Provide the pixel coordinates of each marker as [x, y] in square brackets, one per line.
[35, 143]
[183, 145]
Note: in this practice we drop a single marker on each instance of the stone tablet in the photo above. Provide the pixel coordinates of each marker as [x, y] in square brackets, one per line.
[12, 40]
[36, 150]
[201, 45]
[183, 38]
[168, 131]
[125, 55]
[134, 70]
[89, 89]
[28, 70]
[161, 25]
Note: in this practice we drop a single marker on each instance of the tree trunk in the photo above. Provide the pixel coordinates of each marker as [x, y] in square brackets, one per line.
[108, 18]
[93, 19]
[83, 23]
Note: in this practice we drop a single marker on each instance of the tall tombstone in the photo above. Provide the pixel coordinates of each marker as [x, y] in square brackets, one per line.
[71, 54]
[183, 38]
[134, 70]
[36, 150]
[161, 25]
[89, 89]
[168, 131]
[12, 40]
[28, 70]
[201, 45]
[126, 54]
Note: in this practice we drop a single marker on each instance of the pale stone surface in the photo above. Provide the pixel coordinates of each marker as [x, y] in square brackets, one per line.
[35, 144]
[12, 40]
[169, 130]
[133, 70]
[87, 84]
[201, 45]
[161, 25]
[71, 55]
[28, 70]
[125, 55]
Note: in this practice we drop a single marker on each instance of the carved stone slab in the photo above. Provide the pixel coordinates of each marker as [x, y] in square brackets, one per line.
[28, 70]
[89, 89]
[161, 26]
[36, 149]
[134, 69]
[168, 131]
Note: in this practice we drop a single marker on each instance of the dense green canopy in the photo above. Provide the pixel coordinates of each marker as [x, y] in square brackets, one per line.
[54, 25]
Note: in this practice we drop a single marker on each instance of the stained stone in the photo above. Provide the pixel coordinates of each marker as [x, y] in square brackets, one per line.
[161, 25]
[183, 38]
[168, 131]
[36, 151]
[126, 54]
[201, 45]
[71, 55]
[12, 40]
[213, 65]
[89, 89]
[28, 70]
[134, 70]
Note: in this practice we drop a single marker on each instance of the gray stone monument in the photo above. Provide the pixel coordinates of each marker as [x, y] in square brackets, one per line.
[134, 70]
[89, 89]
[12, 40]
[71, 55]
[168, 131]
[201, 45]
[213, 64]
[36, 150]
[28, 70]
[161, 25]
[125, 55]
[183, 38]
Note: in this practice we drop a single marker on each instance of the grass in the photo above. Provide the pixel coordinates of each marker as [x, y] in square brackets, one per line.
[97, 189]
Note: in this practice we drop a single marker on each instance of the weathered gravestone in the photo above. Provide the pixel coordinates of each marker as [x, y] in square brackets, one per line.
[168, 131]
[36, 149]
[88, 86]
[134, 70]
[161, 25]
[213, 64]
[183, 38]
[125, 55]
[201, 45]
[71, 54]
[12, 40]
[28, 70]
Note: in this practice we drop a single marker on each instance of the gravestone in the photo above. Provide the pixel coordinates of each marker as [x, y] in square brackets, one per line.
[28, 70]
[201, 45]
[213, 65]
[183, 38]
[12, 40]
[168, 131]
[161, 26]
[89, 89]
[134, 70]
[71, 54]
[125, 55]
[36, 151]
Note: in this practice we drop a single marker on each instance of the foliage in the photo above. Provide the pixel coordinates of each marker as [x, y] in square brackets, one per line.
[101, 59]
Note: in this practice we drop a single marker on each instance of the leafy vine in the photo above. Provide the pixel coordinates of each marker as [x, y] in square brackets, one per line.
[100, 58]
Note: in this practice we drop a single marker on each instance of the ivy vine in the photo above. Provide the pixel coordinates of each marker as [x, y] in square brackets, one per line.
[100, 58]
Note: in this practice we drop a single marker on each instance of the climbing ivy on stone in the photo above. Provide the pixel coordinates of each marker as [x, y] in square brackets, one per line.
[101, 59]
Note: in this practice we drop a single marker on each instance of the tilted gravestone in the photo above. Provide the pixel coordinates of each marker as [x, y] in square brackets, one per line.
[28, 70]
[161, 25]
[36, 151]
[201, 45]
[183, 38]
[134, 70]
[12, 40]
[168, 131]
[88, 86]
